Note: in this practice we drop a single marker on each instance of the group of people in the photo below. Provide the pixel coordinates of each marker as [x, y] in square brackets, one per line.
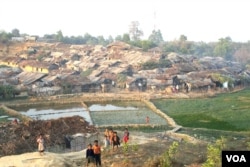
[113, 140]
[93, 153]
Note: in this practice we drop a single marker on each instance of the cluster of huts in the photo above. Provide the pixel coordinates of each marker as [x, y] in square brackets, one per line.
[42, 69]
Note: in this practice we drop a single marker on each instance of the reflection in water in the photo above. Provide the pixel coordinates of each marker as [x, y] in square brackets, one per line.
[45, 114]
[55, 113]
[109, 107]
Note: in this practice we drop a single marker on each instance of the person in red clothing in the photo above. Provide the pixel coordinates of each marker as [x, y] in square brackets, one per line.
[97, 153]
[126, 136]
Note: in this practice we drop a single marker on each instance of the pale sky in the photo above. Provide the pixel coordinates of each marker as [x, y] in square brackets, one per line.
[199, 20]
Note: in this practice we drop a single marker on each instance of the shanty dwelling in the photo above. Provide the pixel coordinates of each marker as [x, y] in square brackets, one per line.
[44, 90]
[155, 85]
[75, 57]
[73, 84]
[31, 38]
[26, 81]
[137, 84]
[182, 83]
[94, 84]
[18, 39]
[34, 66]
[28, 78]
[106, 84]
[11, 61]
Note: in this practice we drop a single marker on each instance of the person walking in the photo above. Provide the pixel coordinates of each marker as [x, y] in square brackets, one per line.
[97, 153]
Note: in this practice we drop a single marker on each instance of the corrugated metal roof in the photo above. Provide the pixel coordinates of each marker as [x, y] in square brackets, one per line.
[29, 77]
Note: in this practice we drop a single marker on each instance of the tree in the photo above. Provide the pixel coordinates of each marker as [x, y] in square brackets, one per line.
[134, 31]
[59, 36]
[15, 33]
[183, 38]
[118, 38]
[224, 48]
[126, 38]
[4, 37]
[110, 39]
[156, 37]
[102, 41]
[7, 91]
[183, 45]
[242, 55]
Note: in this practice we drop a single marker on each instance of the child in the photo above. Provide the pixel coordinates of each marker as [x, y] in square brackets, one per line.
[40, 142]
[126, 136]
[111, 134]
[115, 141]
[106, 138]
[89, 154]
[97, 153]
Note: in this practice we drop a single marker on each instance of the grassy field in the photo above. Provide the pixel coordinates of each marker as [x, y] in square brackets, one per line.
[229, 111]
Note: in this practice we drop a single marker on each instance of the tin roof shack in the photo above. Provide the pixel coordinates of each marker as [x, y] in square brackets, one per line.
[18, 39]
[37, 66]
[11, 61]
[28, 78]
[74, 84]
[137, 84]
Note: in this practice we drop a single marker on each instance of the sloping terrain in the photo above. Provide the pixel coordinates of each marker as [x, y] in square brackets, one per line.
[21, 138]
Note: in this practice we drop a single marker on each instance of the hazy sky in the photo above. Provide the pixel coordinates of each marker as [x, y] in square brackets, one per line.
[199, 20]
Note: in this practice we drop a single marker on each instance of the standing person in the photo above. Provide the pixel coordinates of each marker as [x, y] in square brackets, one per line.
[147, 120]
[115, 140]
[97, 153]
[111, 134]
[106, 138]
[89, 154]
[126, 136]
[40, 141]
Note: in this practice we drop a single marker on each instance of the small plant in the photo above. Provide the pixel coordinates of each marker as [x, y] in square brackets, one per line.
[169, 155]
[125, 148]
[248, 145]
[135, 147]
[214, 153]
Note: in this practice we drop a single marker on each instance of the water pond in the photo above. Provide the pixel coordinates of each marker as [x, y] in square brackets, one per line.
[115, 113]
[123, 114]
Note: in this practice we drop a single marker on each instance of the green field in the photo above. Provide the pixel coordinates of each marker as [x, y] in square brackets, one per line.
[229, 111]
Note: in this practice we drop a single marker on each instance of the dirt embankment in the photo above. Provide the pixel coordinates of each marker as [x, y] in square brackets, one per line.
[21, 138]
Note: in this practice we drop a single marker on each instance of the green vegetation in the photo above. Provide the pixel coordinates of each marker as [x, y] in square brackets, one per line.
[150, 65]
[2, 113]
[86, 73]
[7, 91]
[169, 155]
[229, 111]
[214, 153]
